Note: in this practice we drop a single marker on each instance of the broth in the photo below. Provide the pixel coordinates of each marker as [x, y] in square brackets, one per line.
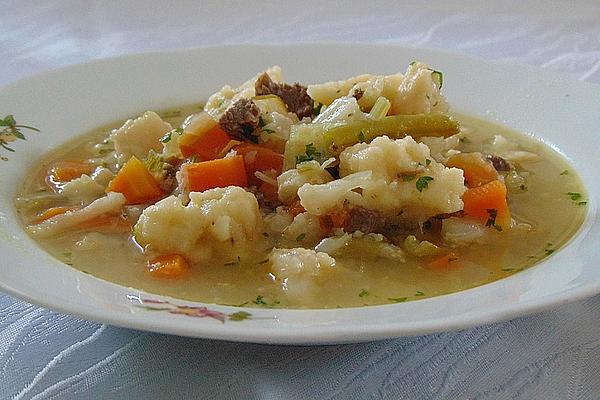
[360, 279]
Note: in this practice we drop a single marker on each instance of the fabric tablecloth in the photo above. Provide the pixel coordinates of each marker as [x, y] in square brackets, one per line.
[552, 355]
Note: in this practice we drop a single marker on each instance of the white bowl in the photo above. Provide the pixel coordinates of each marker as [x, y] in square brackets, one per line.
[64, 103]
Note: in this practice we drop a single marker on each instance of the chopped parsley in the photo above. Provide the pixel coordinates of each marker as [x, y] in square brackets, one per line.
[398, 299]
[260, 300]
[512, 269]
[300, 237]
[427, 161]
[407, 178]
[361, 136]
[439, 77]
[574, 195]
[154, 162]
[423, 182]
[311, 153]
[317, 108]
[491, 222]
[363, 293]
[169, 135]
[419, 293]
[261, 121]
[565, 172]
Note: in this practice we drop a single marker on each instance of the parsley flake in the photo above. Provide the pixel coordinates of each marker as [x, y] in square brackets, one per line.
[491, 222]
[423, 182]
[311, 153]
[398, 299]
[300, 237]
[574, 195]
[565, 172]
[363, 293]
[361, 136]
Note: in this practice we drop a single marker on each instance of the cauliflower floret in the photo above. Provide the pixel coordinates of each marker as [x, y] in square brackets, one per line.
[112, 203]
[320, 199]
[415, 92]
[378, 86]
[138, 136]
[385, 157]
[300, 270]
[86, 189]
[291, 180]
[442, 148]
[326, 93]
[83, 189]
[389, 176]
[419, 92]
[222, 221]
[221, 100]
[305, 230]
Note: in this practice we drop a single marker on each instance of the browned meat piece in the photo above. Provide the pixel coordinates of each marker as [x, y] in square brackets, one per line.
[294, 96]
[499, 163]
[167, 181]
[358, 93]
[364, 220]
[241, 120]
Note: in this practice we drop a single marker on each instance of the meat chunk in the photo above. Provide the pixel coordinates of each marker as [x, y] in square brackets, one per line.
[499, 163]
[241, 120]
[294, 96]
[364, 220]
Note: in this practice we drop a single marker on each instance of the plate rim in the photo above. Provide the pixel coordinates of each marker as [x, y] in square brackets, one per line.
[325, 335]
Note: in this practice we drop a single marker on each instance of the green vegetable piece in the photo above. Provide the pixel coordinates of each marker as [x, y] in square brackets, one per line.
[420, 248]
[310, 154]
[380, 108]
[339, 136]
[398, 299]
[423, 182]
[438, 76]
[363, 293]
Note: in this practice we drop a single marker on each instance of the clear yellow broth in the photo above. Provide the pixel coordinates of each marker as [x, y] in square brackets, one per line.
[360, 280]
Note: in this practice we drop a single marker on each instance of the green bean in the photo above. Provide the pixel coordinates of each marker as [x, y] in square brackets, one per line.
[338, 137]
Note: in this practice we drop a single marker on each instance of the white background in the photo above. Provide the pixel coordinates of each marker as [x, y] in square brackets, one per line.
[553, 355]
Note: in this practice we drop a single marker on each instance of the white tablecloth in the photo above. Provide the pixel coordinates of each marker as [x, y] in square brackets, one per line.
[553, 355]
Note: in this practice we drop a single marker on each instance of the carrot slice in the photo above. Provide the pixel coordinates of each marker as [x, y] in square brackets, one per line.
[259, 158]
[223, 172]
[65, 171]
[477, 171]
[295, 208]
[206, 144]
[488, 204]
[135, 182]
[444, 262]
[53, 212]
[168, 266]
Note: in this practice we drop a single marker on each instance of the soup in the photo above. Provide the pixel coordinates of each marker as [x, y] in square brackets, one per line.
[352, 193]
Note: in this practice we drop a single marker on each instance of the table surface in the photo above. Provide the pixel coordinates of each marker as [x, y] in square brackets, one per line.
[552, 355]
